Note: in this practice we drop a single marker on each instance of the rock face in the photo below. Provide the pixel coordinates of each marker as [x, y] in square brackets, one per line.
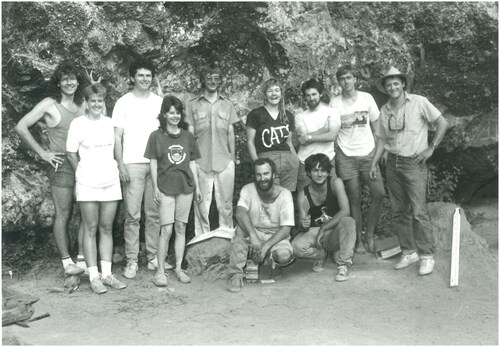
[451, 48]
[209, 257]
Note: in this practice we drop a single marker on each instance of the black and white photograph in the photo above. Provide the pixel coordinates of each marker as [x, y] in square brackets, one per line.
[249, 173]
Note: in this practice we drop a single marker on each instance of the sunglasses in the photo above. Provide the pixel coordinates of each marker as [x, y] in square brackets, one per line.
[394, 125]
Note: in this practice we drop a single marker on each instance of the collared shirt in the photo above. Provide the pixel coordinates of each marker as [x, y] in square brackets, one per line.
[211, 128]
[416, 113]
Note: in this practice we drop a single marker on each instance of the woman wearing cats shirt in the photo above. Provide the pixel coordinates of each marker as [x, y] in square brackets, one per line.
[172, 151]
[269, 135]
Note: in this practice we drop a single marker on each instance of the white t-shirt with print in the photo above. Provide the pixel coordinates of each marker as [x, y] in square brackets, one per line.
[94, 140]
[267, 218]
[138, 117]
[308, 122]
[355, 136]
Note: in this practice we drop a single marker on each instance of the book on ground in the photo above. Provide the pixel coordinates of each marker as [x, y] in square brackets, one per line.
[387, 247]
[226, 233]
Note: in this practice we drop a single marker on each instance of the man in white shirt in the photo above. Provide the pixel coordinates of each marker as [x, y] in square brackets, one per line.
[317, 128]
[355, 149]
[264, 216]
[135, 117]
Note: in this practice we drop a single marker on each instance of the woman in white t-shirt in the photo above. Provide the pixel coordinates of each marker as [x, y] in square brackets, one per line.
[97, 185]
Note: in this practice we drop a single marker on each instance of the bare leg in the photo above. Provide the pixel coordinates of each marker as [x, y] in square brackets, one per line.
[354, 194]
[180, 243]
[106, 216]
[63, 200]
[377, 192]
[162, 249]
[90, 218]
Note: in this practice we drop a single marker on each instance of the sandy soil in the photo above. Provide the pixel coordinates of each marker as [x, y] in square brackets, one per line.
[378, 305]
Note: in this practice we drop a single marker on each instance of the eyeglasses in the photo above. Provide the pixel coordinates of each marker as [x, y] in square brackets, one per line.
[212, 78]
[394, 125]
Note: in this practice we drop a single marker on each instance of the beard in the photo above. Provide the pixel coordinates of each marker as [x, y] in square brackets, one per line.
[313, 104]
[265, 185]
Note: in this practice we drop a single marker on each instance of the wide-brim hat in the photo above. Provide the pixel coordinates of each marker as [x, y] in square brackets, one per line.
[389, 73]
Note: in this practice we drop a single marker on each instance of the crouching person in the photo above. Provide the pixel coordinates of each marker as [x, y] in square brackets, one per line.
[264, 218]
[324, 214]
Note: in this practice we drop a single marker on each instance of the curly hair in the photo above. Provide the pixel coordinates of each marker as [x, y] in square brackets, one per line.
[318, 159]
[66, 68]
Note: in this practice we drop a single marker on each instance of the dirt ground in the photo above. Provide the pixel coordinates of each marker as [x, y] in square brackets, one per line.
[377, 306]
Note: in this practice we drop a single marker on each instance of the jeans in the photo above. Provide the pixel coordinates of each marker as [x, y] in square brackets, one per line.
[222, 183]
[407, 182]
[340, 239]
[140, 186]
[281, 252]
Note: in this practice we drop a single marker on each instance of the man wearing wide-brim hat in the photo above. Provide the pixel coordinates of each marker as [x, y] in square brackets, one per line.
[403, 131]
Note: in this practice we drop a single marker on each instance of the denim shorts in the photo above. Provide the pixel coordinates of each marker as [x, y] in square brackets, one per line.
[350, 167]
[63, 177]
[287, 165]
[304, 180]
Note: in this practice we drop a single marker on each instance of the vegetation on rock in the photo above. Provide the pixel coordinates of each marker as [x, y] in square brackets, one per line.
[450, 48]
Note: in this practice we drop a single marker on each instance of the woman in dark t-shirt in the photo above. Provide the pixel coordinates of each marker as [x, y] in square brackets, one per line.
[269, 134]
[172, 151]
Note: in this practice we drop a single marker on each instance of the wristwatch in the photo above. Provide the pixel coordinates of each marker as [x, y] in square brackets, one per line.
[433, 146]
[309, 138]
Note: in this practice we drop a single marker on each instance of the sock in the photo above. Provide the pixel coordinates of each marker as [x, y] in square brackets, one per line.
[105, 268]
[93, 272]
[67, 261]
[80, 262]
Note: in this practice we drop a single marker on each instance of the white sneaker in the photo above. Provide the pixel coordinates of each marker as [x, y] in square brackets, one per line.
[406, 260]
[130, 270]
[153, 265]
[426, 265]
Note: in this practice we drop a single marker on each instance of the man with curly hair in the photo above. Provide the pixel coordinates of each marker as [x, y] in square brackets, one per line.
[58, 111]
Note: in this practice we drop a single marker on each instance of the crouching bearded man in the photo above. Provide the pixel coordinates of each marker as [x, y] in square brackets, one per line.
[264, 216]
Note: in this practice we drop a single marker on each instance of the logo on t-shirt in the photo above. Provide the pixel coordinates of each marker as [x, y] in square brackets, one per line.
[274, 135]
[176, 154]
[356, 119]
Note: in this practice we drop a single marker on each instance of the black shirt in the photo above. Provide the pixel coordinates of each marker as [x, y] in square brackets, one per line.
[271, 134]
[329, 207]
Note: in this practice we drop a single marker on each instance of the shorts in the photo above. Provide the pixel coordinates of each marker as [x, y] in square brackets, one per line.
[109, 193]
[304, 180]
[63, 177]
[350, 167]
[175, 208]
[287, 165]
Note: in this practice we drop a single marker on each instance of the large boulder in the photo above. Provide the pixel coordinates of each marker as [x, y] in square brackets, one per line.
[209, 257]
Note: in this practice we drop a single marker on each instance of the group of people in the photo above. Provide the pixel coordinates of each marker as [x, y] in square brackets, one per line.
[155, 150]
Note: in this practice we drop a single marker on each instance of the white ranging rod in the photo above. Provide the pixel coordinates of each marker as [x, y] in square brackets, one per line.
[455, 249]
